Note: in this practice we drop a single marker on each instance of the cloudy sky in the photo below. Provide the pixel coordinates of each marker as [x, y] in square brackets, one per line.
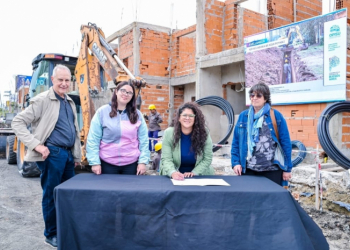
[30, 27]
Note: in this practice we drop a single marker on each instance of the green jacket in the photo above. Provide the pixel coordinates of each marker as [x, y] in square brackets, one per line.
[171, 158]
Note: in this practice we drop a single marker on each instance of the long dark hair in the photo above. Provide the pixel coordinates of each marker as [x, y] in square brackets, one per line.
[199, 131]
[130, 106]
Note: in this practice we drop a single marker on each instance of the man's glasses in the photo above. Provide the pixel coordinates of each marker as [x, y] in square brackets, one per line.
[258, 95]
[126, 92]
[188, 116]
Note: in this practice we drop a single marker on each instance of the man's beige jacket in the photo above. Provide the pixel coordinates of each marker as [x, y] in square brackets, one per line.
[42, 115]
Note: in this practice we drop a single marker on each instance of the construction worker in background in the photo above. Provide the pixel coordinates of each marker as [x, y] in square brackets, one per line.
[287, 71]
[154, 119]
[156, 159]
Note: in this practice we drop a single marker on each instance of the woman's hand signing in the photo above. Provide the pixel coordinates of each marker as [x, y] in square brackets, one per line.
[177, 176]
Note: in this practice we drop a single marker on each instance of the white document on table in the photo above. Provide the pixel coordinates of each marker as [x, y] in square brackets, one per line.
[200, 182]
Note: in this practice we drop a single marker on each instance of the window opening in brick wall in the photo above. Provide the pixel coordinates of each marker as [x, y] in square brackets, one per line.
[339, 4]
[158, 87]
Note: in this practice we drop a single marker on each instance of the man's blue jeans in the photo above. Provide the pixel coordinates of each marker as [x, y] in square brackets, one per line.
[57, 168]
[152, 135]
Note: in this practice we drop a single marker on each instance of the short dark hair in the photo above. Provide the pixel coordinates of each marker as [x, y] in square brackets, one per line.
[263, 89]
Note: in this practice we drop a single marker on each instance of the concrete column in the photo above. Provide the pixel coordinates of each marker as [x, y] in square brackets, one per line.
[171, 103]
[200, 30]
[240, 26]
[136, 50]
[200, 43]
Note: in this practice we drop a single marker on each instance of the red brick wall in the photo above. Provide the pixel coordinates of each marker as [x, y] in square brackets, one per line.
[126, 49]
[230, 28]
[346, 116]
[183, 52]
[279, 13]
[154, 53]
[178, 96]
[213, 25]
[253, 23]
[307, 9]
[302, 121]
[282, 12]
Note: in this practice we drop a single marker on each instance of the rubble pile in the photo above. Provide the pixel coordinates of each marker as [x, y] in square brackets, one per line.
[334, 219]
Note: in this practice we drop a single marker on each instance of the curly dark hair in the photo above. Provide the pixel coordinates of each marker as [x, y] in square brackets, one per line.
[130, 107]
[199, 132]
[262, 88]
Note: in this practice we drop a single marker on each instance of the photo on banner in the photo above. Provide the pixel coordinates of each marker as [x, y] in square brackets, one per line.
[304, 62]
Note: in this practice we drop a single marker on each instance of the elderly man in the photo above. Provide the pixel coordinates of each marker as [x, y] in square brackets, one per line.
[54, 142]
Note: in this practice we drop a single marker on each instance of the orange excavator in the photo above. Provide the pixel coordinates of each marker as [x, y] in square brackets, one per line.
[92, 92]
[95, 74]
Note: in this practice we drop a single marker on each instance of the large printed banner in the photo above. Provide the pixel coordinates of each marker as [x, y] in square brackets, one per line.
[22, 81]
[304, 62]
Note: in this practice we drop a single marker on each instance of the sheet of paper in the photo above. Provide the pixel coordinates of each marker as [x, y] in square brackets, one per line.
[200, 182]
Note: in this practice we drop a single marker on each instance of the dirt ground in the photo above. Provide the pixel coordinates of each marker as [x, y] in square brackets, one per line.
[21, 222]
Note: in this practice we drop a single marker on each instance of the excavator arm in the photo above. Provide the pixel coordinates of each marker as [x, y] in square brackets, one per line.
[95, 53]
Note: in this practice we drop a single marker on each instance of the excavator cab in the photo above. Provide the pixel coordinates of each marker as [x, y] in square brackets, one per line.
[43, 66]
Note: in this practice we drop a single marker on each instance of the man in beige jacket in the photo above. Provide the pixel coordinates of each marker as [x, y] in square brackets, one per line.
[54, 142]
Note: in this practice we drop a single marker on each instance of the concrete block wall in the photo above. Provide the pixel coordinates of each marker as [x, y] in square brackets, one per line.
[183, 52]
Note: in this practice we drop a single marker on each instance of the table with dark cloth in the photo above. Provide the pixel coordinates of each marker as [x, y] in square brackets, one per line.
[149, 212]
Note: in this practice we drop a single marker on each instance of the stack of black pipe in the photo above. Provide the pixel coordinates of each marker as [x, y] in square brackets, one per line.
[225, 106]
[324, 136]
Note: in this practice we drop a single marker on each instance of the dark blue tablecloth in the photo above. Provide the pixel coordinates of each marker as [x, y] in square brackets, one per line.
[148, 212]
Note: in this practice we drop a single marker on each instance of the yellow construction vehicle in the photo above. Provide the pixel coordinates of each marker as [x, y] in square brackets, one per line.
[95, 74]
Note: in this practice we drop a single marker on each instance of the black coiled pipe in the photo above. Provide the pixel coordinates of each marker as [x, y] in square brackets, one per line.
[324, 136]
[225, 106]
[302, 152]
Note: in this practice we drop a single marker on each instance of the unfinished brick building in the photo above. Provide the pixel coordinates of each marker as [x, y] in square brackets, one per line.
[208, 59]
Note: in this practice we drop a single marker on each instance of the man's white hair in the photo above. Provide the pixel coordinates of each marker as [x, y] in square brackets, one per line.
[60, 66]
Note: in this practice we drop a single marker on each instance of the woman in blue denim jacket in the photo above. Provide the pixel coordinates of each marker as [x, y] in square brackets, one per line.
[255, 148]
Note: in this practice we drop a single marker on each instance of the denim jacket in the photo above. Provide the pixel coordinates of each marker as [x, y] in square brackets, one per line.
[283, 153]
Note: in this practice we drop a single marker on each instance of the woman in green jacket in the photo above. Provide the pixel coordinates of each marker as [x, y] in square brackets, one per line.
[187, 149]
